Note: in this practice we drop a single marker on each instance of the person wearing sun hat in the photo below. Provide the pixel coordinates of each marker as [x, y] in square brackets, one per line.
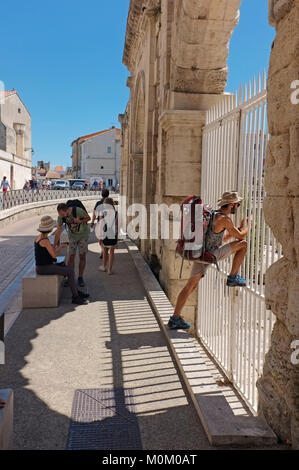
[221, 229]
[45, 258]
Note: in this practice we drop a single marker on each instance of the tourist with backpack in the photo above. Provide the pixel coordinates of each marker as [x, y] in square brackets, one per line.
[95, 216]
[107, 232]
[75, 217]
[215, 228]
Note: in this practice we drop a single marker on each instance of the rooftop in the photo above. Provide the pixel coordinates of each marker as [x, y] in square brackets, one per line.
[89, 136]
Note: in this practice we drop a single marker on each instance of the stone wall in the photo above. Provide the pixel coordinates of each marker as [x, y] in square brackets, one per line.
[279, 385]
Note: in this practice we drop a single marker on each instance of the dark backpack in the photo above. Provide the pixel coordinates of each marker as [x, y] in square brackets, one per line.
[74, 203]
[191, 245]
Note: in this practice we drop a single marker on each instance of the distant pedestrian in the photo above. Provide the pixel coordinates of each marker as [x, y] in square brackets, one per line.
[95, 185]
[26, 186]
[5, 185]
[45, 259]
[108, 232]
[95, 215]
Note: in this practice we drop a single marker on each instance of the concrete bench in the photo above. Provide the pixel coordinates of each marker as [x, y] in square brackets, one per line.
[6, 419]
[39, 291]
[42, 291]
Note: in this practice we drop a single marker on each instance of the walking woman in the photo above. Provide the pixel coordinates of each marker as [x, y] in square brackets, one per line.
[107, 232]
[45, 259]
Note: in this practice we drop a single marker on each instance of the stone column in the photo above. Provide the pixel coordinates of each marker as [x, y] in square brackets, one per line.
[279, 385]
[137, 160]
[179, 165]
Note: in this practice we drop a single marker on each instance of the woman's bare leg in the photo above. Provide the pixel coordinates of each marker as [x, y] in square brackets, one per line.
[111, 259]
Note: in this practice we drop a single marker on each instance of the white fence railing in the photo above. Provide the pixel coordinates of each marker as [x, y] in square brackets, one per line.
[233, 323]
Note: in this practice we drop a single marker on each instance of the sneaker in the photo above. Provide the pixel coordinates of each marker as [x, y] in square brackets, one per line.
[102, 268]
[178, 323]
[110, 272]
[81, 282]
[79, 300]
[235, 281]
[83, 295]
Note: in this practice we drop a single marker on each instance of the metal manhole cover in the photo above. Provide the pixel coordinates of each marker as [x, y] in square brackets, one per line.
[104, 419]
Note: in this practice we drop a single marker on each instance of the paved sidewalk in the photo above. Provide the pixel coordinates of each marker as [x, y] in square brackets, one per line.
[113, 342]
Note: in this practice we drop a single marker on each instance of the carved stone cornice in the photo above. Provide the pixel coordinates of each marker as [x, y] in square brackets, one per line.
[179, 119]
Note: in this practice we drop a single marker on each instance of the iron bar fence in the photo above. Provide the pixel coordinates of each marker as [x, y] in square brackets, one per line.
[234, 324]
[20, 196]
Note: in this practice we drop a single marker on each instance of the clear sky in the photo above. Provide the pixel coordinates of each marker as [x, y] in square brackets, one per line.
[64, 57]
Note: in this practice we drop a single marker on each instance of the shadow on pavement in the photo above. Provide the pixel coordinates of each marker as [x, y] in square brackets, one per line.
[112, 343]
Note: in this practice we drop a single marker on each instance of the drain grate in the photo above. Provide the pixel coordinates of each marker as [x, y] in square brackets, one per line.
[104, 419]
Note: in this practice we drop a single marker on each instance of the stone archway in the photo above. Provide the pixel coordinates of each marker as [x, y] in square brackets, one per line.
[137, 143]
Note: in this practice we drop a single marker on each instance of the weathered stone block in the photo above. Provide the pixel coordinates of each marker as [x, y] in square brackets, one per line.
[277, 161]
[278, 387]
[197, 80]
[279, 215]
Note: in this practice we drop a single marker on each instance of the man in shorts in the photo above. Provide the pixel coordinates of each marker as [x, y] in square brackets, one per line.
[78, 235]
[221, 230]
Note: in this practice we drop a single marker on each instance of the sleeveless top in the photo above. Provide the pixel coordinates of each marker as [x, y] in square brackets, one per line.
[42, 256]
[214, 240]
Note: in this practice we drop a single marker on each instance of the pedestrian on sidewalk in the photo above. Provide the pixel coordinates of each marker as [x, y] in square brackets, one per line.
[45, 259]
[5, 185]
[78, 235]
[222, 229]
[107, 232]
[95, 216]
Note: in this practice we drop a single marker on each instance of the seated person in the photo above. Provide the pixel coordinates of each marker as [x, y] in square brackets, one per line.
[45, 258]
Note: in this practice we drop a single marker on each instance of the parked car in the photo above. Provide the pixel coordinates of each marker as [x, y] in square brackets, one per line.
[78, 186]
[62, 184]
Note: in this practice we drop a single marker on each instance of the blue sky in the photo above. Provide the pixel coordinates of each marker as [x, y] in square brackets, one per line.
[65, 60]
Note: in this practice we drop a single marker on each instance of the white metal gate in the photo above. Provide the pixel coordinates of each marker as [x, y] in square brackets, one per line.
[233, 323]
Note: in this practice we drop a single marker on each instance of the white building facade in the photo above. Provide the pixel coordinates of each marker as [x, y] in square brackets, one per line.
[15, 140]
[100, 157]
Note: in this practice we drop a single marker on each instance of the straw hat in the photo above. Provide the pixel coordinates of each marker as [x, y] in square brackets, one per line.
[46, 224]
[229, 197]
